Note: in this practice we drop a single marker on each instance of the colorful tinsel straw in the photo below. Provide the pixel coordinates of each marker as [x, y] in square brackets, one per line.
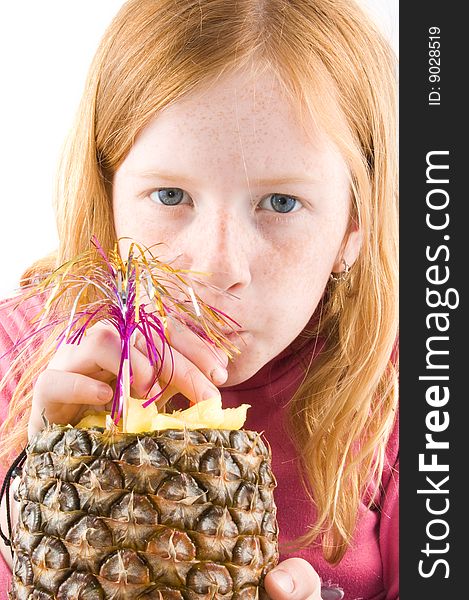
[105, 288]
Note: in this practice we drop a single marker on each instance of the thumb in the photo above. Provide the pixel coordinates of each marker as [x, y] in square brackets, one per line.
[293, 579]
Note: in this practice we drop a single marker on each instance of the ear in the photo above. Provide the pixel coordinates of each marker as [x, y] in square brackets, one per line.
[349, 249]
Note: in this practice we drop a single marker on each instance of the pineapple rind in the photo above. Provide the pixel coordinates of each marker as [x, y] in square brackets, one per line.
[184, 514]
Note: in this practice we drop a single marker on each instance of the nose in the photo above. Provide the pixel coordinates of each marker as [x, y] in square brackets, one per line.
[221, 245]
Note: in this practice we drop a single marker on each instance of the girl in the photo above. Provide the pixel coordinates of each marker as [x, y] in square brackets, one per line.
[256, 140]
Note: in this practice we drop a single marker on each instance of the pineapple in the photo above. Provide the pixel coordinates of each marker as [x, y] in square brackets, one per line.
[159, 506]
[207, 414]
[181, 513]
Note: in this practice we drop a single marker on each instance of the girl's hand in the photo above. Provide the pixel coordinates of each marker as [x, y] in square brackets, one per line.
[78, 377]
[293, 579]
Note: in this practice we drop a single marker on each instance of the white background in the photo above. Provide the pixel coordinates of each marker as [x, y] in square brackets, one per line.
[45, 51]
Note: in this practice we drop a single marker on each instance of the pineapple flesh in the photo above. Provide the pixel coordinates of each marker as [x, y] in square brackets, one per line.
[207, 414]
[176, 514]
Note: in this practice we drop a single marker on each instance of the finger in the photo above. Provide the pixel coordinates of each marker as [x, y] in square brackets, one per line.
[98, 355]
[183, 336]
[209, 359]
[177, 370]
[59, 396]
[100, 352]
[293, 579]
[62, 387]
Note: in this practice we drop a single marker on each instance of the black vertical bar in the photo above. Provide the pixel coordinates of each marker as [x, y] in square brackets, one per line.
[433, 299]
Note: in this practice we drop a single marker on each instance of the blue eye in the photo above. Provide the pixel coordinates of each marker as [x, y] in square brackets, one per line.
[168, 196]
[280, 203]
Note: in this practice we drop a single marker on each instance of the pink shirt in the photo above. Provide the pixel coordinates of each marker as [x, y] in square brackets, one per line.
[369, 570]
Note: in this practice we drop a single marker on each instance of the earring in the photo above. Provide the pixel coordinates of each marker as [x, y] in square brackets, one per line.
[342, 276]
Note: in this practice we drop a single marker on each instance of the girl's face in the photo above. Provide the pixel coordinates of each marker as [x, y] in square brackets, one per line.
[231, 183]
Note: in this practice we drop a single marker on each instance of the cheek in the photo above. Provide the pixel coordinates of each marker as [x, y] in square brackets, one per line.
[300, 259]
[141, 226]
[296, 282]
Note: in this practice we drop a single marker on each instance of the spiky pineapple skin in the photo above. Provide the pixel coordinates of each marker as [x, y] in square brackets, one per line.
[166, 515]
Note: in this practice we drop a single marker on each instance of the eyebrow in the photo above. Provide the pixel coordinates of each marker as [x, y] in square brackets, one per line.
[284, 179]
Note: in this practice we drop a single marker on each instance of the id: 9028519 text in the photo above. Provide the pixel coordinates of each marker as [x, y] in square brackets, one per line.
[434, 66]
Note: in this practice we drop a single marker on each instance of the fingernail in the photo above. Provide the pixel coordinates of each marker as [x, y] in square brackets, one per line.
[105, 393]
[283, 580]
[218, 375]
